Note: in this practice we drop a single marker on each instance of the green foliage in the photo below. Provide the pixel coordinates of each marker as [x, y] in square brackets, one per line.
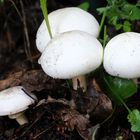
[118, 88]
[138, 3]
[134, 118]
[43, 5]
[130, 12]
[120, 13]
[127, 26]
[84, 6]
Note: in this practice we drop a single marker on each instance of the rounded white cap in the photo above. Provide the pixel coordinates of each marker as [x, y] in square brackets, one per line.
[122, 55]
[71, 54]
[14, 100]
[63, 20]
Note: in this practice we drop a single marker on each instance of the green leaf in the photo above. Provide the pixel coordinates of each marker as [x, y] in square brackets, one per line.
[134, 119]
[119, 88]
[126, 26]
[101, 10]
[119, 11]
[84, 6]
[110, 2]
[118, 26]
[131, 12]
[114, 20]
[43, 5]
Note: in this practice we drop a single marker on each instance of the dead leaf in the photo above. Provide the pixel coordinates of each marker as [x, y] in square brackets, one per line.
[75, 120]
[31, 80]
[94, 103]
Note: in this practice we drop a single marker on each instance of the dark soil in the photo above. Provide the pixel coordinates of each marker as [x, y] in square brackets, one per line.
[53, 117]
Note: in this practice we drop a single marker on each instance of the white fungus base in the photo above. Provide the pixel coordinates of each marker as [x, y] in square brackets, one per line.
[122, 55]
[20, 118]
[79, 82]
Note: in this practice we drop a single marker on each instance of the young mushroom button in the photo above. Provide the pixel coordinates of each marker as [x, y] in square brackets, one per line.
[63, 20]
[122, 56]
[13, 101]
[71, 55]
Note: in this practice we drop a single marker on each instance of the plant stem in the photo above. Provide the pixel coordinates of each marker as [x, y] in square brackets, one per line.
[43, 5]
[108, 116]
[17, 10]
[102, 23]
[27, 40]
[105, 36]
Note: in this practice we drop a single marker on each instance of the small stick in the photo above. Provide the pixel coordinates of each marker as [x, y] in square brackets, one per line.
[27, 48]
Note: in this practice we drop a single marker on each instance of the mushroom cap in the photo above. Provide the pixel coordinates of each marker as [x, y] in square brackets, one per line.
[14, 100]
[122, 55]
[63, 20]
[71, 54]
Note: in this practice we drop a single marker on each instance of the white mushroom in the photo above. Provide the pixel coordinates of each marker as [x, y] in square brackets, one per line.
[63, 20]
[122, 55]
[13, 101]
[72, 55]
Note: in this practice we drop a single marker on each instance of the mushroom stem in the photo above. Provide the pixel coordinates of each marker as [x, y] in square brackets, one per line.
[79, 82]
[20, 118]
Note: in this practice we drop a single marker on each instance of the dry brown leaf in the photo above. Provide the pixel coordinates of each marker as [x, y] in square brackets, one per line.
[32, 80]
[75, 120]
[94, 103]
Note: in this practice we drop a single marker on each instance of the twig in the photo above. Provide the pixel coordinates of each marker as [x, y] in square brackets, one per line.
[33, 123]
[27, 48]
[41, 133]
[16, 9]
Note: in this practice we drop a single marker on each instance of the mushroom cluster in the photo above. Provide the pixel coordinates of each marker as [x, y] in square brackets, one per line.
[14, 101]
[74, 50]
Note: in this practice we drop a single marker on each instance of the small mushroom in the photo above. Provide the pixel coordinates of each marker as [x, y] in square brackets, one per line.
[63, 20]
[71, 55]
[122, 56]
[14, 101]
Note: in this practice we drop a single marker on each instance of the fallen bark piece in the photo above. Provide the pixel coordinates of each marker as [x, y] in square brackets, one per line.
[32, 80]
